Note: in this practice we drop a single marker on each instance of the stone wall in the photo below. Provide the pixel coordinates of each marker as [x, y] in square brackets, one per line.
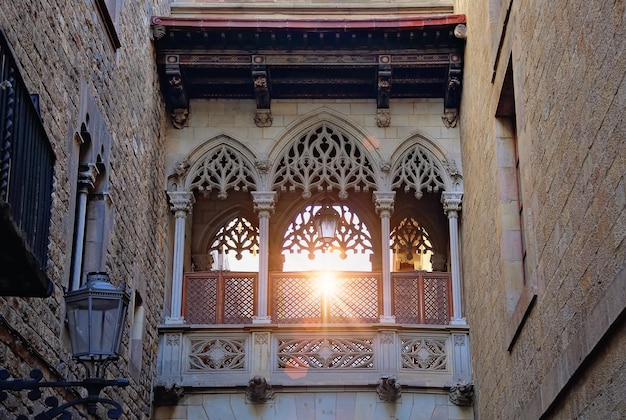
[208, 119]
[340, 404]
[66, 57]
[550, 346]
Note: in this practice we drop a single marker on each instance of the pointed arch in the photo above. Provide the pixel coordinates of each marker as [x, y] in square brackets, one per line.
[220, 164]
[419, 165]
[324, 152]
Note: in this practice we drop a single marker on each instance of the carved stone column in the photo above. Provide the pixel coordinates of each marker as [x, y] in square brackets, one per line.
[181, 203]
[384, 202]
[86, 179]
[452, 205]
[264, 206]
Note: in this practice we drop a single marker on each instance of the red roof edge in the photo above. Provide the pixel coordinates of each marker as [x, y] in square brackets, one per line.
[329, 23]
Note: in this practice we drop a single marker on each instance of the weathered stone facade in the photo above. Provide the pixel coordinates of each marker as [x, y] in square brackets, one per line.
[548, 328]
[66, 57]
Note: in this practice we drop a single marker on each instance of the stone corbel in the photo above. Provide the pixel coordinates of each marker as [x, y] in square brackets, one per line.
[176, 95]
[388, 389]
[258, 390]
[449, 117]
[168, 393]
[462, 394]
[383, 116]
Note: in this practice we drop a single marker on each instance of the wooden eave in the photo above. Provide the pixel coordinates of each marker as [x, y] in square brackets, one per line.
[267, 58]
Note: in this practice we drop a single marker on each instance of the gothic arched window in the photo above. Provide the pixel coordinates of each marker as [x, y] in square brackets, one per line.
[302, 244]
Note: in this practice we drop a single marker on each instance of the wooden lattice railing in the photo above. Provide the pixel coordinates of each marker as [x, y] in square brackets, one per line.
[312, 298]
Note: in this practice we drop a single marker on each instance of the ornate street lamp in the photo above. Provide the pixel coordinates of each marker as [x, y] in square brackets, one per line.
[96, 315]
[326, 221]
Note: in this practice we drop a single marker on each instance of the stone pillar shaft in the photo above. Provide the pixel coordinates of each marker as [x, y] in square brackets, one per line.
[384, 202]
[181, 203]
[452, 206]
[264, 205]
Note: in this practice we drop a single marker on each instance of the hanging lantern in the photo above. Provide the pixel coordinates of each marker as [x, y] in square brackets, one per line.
[326, 221]
[96, 313]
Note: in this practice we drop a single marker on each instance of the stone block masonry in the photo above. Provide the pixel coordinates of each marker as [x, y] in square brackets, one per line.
[66, 55]
[555, 356]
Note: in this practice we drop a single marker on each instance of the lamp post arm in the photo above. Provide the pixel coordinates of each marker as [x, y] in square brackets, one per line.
[92, 385]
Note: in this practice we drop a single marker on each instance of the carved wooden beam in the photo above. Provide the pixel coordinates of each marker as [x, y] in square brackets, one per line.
[452, 96]
[383, 116]
[176, 96]
[263, 117]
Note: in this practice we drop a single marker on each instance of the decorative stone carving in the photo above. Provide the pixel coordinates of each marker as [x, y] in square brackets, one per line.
[179, 117]
[418, 170]
[449, 118]
[181, 202]
[384, 201]
[383, 118]
[324, 159]
[223, 169]
[263, 165]
[158, 31]
[263, 118]
[451, 168]
[258, 390]
[388, 389]
[326, 353]
[181, 167]
[424, 354]
[452, 203]
[169, 393]
[462, 394]
[264, 201]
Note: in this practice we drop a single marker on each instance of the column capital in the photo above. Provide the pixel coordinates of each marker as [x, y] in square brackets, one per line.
[181, 201]
[264, 201]
[87, 177]
[452, 202]
[384, 202]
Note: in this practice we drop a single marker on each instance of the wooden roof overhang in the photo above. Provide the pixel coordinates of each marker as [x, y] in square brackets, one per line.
[322, 58]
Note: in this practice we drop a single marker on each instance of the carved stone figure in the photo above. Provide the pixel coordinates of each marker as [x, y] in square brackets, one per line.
[450, 118]
[263, 118]
[179, 117]
[258, 390]
[168, 393]
[388, 389]
[462, 394]
[383, 118]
